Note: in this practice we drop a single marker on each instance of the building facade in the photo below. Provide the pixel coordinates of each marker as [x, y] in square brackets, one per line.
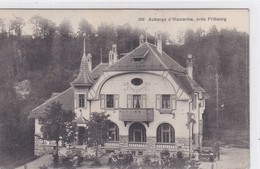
[153, 102]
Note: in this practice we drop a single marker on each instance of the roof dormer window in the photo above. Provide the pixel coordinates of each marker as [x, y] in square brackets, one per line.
[139, 55]
[137, 59]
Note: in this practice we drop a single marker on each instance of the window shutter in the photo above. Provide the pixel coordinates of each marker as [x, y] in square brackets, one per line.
[143, 103]
[76, 96]
[129, 101]
[158, 101]
[173, 101]
[201, 126]
[85, 101]
[116, 102]
[201, 103]
[102, 101]
[194, 101]
[200, 96]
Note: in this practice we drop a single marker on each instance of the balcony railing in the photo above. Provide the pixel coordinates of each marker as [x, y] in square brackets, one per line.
[137, 144]
[111, 144]
[131, 114]
[165, 145]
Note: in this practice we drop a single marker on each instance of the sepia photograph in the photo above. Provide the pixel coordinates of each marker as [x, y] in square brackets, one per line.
[124, 89]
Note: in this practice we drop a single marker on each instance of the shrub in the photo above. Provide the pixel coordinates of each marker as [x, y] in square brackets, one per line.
[95, 163]
[150, 162]
[179, 155]
[165, 154]
[146, 160]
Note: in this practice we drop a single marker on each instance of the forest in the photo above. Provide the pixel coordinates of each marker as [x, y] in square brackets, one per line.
[32, 67]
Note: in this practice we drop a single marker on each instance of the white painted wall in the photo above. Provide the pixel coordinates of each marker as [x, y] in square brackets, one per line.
[37, 127]
[156, 83]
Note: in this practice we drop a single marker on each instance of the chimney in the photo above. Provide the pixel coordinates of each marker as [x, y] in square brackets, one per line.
[114, 50]
[189, 66]
[110, 58]
[89, 60]
[141, 40]
[159, 43]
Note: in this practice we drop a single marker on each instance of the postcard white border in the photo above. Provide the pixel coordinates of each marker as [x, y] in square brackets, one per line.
[254, 33]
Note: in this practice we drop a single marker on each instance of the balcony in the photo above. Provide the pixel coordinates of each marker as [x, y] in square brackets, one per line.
[136, 115]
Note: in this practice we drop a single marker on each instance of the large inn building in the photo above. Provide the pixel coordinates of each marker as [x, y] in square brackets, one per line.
[153, 102]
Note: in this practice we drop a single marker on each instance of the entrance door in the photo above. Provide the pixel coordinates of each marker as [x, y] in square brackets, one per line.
[81, 135]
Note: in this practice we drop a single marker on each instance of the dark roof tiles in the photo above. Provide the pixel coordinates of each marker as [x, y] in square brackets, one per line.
[84, 78]
[187, 83]
[65, 98]
[98, 70]
[149, 59]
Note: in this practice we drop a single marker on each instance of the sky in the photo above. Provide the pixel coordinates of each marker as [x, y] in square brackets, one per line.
[175, 22]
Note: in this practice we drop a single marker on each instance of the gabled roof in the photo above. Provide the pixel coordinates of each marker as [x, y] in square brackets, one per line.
[149, 59]
[65, 98]
[98, 70]
[84, 77]
[170, 63]
[187, 84]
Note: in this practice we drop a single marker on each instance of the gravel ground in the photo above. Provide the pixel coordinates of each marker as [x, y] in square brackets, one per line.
[46, 160]
[230, 158]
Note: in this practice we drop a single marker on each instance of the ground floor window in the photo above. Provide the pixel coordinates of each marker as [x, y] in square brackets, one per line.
[113, 132]
[137, 133]
[165, 133]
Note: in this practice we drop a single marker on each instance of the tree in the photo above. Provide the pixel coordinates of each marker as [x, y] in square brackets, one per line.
[85, 27]
[42, 27]
[16, 26]
[2, 27]
[106, 37]
[57, 124]
[65, 29]
[97, 130]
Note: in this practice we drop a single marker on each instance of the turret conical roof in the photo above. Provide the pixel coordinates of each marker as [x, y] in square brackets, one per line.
[84, 77]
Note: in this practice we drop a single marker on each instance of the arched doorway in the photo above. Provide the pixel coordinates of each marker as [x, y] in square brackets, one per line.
[137, 133]
[165, 133]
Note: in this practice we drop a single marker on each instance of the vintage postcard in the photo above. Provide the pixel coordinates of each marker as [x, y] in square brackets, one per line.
[124, 88]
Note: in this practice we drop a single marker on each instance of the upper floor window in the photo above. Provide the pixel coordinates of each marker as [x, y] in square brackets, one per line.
[166, 101]
[109, 101]
[136, 101]
[81, 100]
